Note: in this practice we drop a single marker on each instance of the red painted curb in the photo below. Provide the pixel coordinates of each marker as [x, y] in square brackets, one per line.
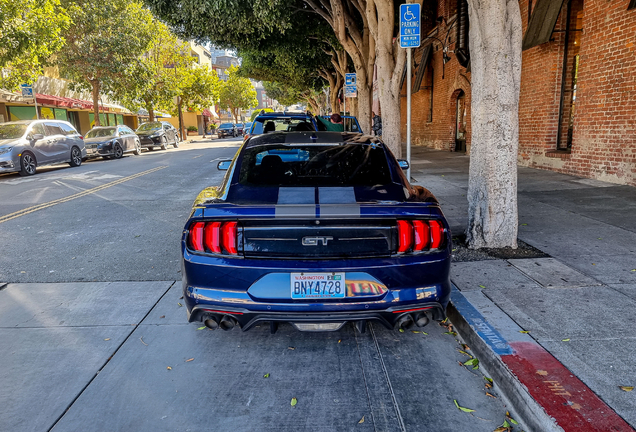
[563, 396]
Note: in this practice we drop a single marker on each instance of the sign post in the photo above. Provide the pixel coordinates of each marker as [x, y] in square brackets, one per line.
[27, 92]
[409, 38]
[351, 88]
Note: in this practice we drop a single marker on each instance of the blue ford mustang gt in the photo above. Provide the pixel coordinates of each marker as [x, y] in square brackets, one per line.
[315, 229]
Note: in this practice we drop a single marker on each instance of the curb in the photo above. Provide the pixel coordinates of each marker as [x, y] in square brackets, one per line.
[545, 395]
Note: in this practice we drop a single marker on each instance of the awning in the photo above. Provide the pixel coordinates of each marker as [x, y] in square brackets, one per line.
[421, 68]
[542, 22]
[63, 102]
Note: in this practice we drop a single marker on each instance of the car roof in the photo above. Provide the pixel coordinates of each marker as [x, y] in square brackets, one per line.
[28, 122]
[274, 115]
[311, 137]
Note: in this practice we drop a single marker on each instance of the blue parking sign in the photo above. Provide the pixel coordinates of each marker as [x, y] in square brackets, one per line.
[410, 25]
[27, 90]
[350, 79]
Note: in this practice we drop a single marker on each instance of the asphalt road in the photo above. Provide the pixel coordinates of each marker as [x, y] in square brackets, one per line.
[94, 336]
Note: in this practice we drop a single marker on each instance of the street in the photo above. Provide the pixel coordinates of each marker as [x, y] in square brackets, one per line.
[95, 336]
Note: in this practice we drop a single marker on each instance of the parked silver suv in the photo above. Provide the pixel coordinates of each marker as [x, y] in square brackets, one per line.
[27, 144]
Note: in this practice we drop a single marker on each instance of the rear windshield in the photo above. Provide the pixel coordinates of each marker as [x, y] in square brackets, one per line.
[266, 125]
[315, 165]
[226, 125]
[149, 126]
[99, 133]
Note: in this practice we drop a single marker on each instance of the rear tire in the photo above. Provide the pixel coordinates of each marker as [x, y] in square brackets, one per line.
[137, 150]
[28, 164]
[176, 142]
[164, 143]
[76, 157]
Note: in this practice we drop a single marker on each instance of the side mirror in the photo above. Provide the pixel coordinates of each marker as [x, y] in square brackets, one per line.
[37, 137]
[404, 164]
[224, 165]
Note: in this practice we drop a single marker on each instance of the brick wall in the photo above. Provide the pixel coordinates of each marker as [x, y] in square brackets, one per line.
[448, 81]
[603, 144]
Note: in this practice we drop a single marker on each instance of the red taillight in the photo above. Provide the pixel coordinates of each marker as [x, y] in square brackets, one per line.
[229, 237]
[215, 237]
[196, 236]
[437, 234]
[419, 235]
[212, 237]
[405, 235]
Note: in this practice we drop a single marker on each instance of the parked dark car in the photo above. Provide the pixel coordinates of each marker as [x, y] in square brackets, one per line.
[267, 122]
[27, 144]
[227, 129]
[316, 229]
[111, 141]
[157, 134]
[240, 128]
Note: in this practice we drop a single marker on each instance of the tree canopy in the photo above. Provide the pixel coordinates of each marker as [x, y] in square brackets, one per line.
[30, 32]
[237, 93]
[105, 40]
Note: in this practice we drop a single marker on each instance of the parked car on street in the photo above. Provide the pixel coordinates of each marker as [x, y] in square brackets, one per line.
[157, 134]
[315, 229]
[267, 122]
[27, 144]
[240, 128]
[227, 129]
[111, 141]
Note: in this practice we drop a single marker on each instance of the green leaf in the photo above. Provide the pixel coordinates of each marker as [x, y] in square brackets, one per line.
[180, 305]
[401, 330]
[294, 401]
[565, 340]
[513, 421]
[506, 424]
[488, 379]
[468, 410]
[481, 286]
[471, 362]
[202, 328]
[266, 375]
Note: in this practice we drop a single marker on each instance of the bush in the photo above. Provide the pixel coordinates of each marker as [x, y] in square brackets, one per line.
[192, 128]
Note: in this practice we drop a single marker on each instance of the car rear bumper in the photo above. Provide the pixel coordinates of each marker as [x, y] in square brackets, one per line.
[257, 290]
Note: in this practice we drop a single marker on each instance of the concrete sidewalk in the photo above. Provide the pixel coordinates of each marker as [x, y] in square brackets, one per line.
[579, 303]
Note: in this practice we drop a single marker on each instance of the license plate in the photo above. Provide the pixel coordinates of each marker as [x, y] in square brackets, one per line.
[317, 285]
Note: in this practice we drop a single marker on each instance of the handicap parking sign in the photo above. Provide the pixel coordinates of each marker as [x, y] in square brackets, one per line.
[410, 25]
[27, 90]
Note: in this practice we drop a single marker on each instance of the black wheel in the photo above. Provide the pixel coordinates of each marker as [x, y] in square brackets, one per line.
[164, 143]
[118, 152]
[76, 157]
[137, 150]
[27, 164]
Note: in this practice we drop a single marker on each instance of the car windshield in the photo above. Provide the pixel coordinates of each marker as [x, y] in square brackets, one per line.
[265, 125]
[315, 165]
[12, 131]
[149, 126]
[100, 133]
[226, 125]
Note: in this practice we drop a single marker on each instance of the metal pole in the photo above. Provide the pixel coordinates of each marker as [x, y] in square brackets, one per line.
[408, 111]
[344, 103]
[35, 100]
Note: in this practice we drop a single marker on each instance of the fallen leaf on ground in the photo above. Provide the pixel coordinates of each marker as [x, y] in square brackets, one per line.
[626, 388]
[339, 340]
[452, 333]
[201, 328]
[142, 341]
[169, 368]
[481, 286]
[524, 331]
[488, 394]
[634, 270]
[468, 410]
[542, 372]
[162, 316]
[190, 359]
[501, 429]
[291, 348]
[361, 420]
[266, 375]
[107, 339]
[472, 362]
[180, 305]
[524, 224]
[414, 331]
[294, 401]
[565, 340]
[464, 352]
[488, 379]
[401, 330]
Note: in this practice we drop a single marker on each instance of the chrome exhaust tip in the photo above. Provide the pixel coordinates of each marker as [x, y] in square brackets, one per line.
[422, 319]
[227, 323]
[212, 323]
[405, 322]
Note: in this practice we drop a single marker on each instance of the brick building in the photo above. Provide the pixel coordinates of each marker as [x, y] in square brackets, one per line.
[577, 110]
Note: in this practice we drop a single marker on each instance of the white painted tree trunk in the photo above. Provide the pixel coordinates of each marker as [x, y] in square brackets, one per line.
[495, 51]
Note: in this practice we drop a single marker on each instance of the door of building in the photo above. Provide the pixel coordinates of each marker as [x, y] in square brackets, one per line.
[460, 123]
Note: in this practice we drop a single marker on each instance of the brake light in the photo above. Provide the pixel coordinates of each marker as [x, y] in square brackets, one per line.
[229, 237]
[405, 235]
[214, 237]
[419, 235]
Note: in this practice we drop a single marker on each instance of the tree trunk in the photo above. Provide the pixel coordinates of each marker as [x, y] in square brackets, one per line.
[151, 111]
[95, 84]
[495, 49]
[364, 100]
[182, 133]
